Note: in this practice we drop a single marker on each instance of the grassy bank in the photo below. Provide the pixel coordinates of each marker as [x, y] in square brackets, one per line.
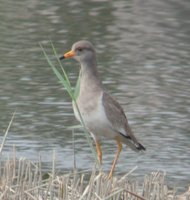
[23, 179]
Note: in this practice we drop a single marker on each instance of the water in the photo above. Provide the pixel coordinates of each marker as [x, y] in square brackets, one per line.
[143, 50]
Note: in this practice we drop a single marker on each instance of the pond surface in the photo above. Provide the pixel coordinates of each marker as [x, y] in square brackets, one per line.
[143, 50]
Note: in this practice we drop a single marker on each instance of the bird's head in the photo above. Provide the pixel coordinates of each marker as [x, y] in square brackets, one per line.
[82, 51]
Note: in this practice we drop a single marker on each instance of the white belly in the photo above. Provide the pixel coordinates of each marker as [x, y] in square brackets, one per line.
[95, 120]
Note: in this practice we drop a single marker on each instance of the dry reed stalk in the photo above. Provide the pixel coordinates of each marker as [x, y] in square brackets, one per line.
[23, 179]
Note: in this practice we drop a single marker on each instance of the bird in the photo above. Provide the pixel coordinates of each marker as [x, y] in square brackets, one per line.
[102, 115]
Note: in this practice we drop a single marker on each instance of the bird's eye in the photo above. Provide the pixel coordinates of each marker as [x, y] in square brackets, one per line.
[80, 49]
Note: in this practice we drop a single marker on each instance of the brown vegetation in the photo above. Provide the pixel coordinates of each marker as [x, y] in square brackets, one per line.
[23, 179]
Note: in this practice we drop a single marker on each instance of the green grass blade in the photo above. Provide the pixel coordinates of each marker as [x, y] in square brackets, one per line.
[60, 64]
[65, 83]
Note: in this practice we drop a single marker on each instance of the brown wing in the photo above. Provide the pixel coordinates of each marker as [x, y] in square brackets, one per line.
[116, 116]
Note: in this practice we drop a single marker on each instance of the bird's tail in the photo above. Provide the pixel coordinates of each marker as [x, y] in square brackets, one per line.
[140, 147]
[135, 146]
[132, 143]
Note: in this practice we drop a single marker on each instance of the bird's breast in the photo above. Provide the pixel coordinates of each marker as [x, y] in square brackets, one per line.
[87, 104]
[94, 116]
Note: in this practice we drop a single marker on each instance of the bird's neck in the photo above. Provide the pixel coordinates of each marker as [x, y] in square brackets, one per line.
[90, 81]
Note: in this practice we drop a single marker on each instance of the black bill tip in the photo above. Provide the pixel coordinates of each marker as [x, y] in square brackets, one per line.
[61, 58]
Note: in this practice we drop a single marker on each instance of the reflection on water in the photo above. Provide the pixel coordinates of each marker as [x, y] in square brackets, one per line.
[143, 52]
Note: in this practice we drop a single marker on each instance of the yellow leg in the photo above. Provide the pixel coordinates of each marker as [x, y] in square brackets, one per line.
[99, 151]
[119, 148]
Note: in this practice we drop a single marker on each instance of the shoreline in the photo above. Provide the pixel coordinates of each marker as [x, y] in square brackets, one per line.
[21, 178]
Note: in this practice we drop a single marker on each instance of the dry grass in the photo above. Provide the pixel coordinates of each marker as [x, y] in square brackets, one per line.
[23, 179]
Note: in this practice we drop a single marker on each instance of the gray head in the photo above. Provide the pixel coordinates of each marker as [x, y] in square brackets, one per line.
[82, 51]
